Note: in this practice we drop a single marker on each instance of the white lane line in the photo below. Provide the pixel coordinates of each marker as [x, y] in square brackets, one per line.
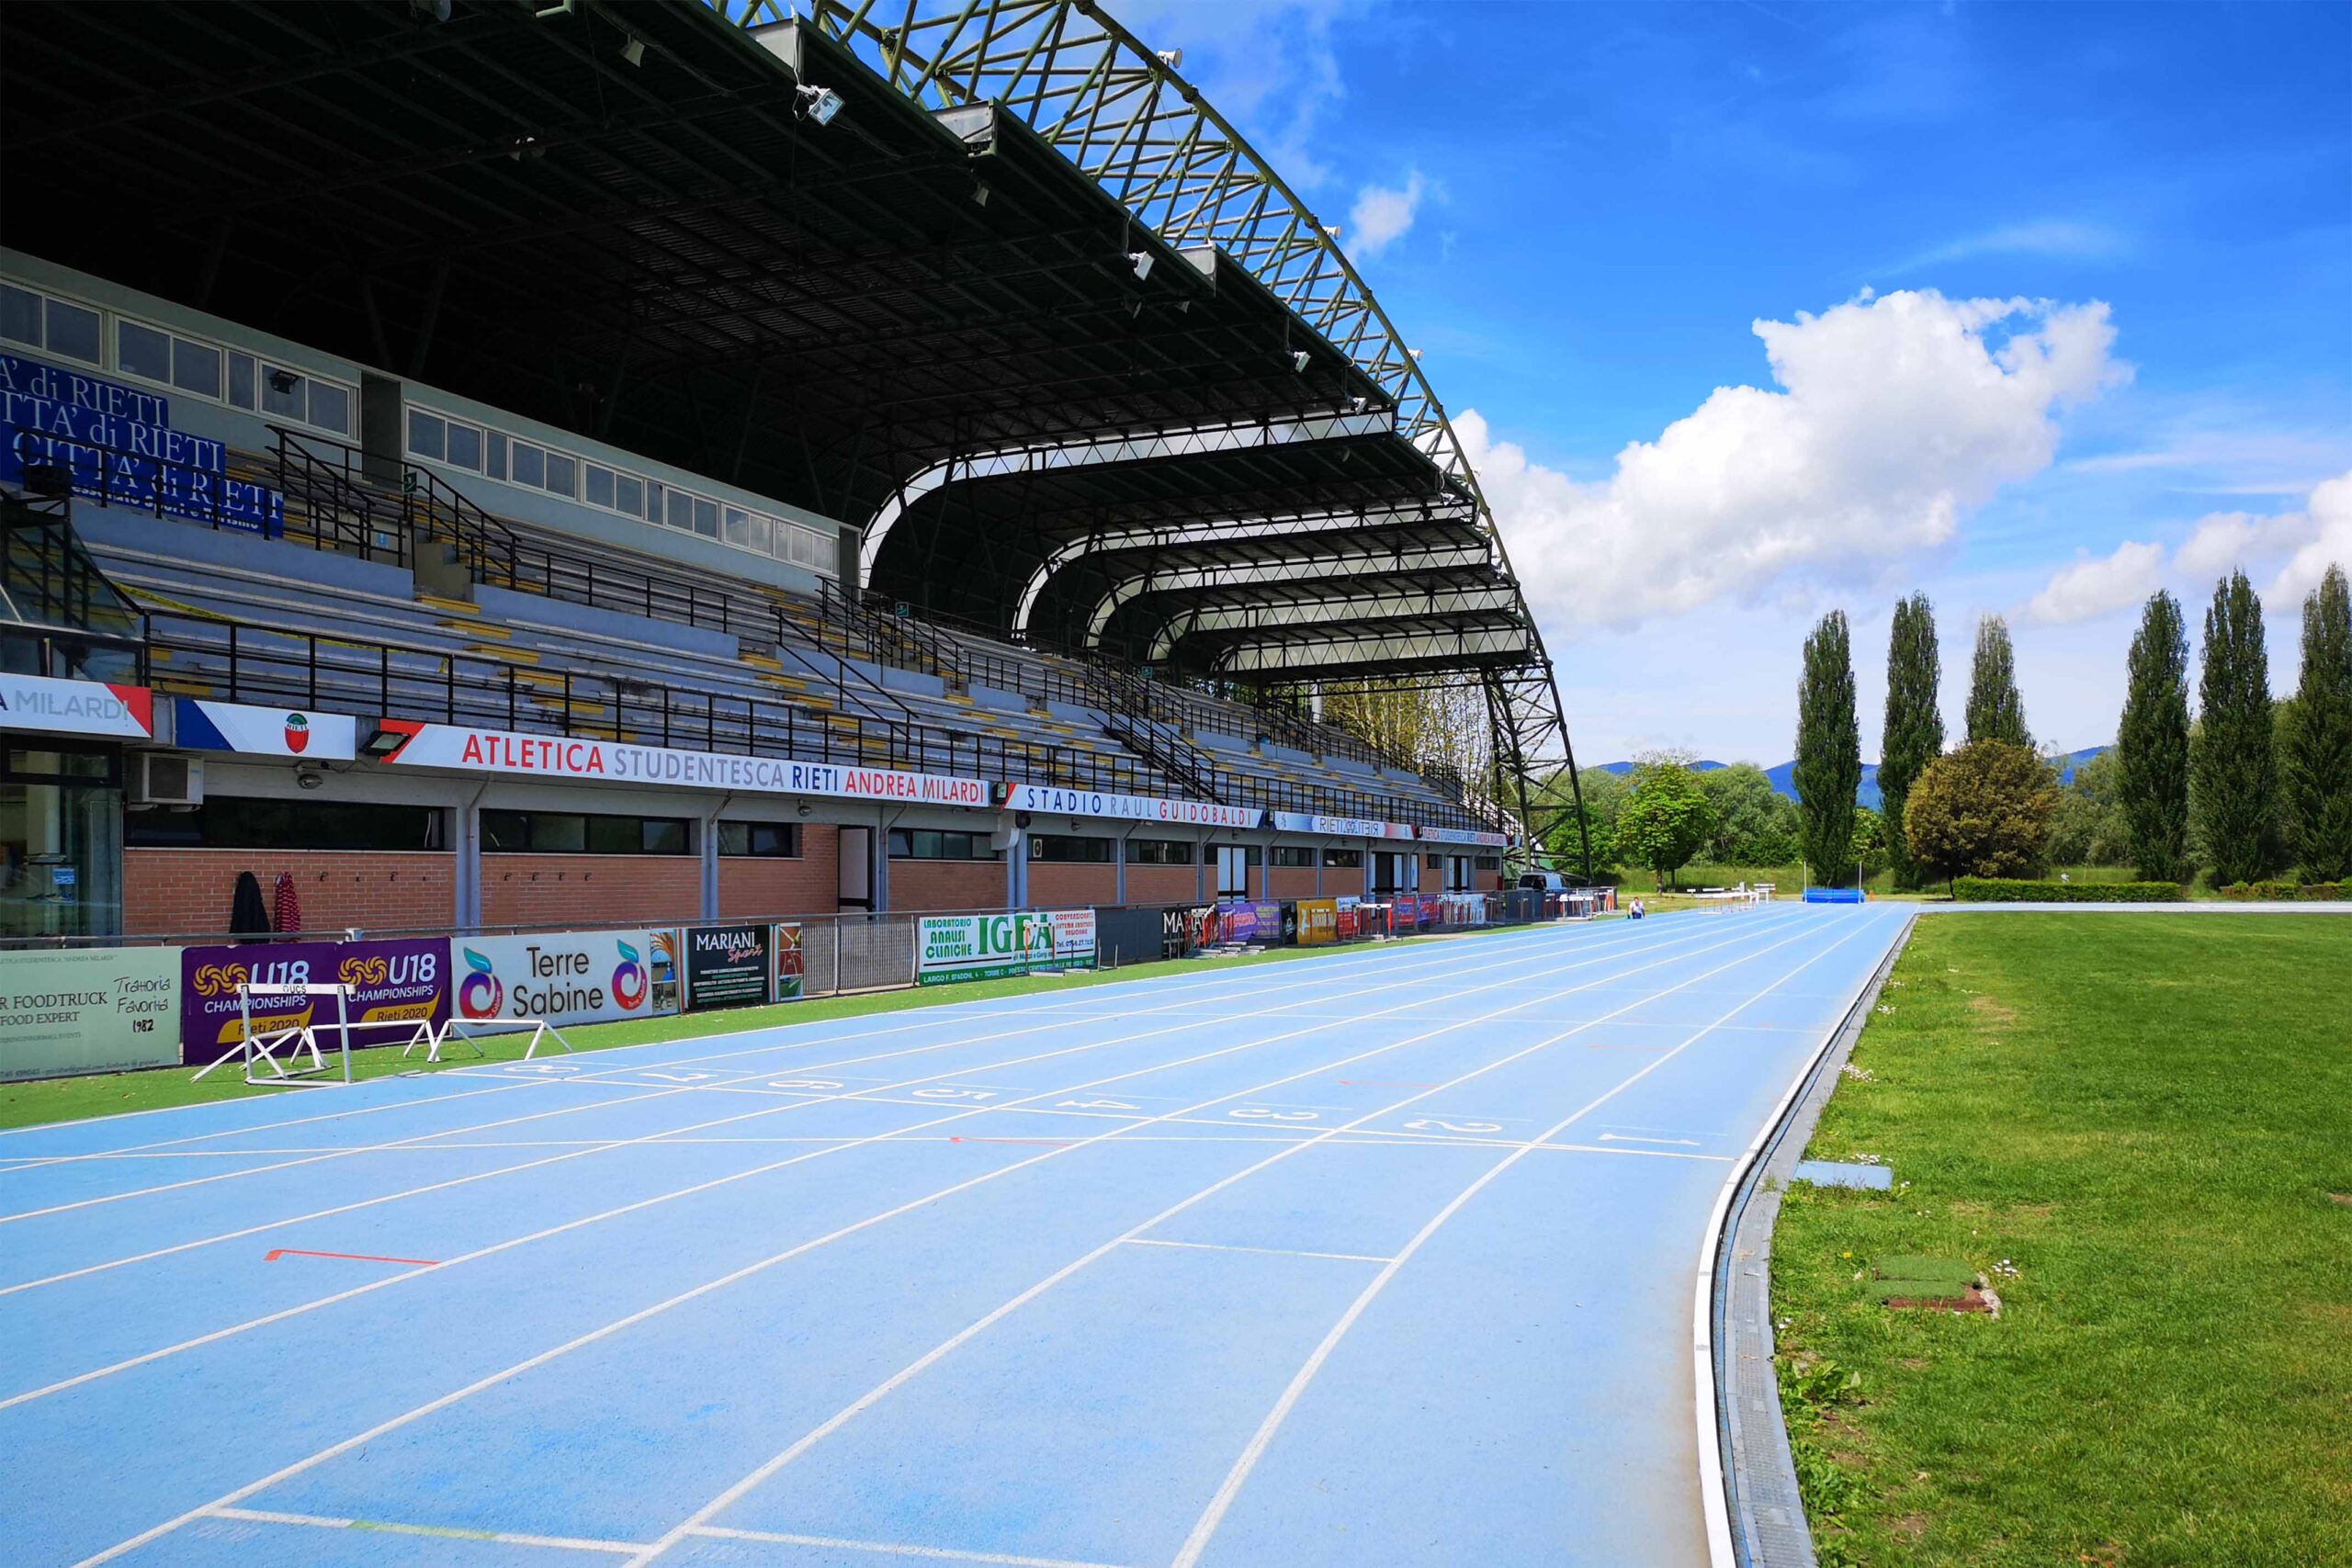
[1213, 1514]
[388, 1526]
[266, 1125]
[651, 1139]
[1262, 1251]
[938, 1352]
[902, 1549]
[431, 1406]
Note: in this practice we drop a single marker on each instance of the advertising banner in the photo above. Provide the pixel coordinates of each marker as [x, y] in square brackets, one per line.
[1338, 827]
[566, 977]
[1175, 931]
[783, 946]
[511, 754]
[1289, 920]
[1270, 923]
[1318, 921]
[1238, 923]
[396, 982]
[727, 966]
[89, 1010]
[1461, 836]
[981, 947]
[1348, 926]
[1073, 936]
[269, 732]
[76, 708]
[1208, 926]
[1047, 800]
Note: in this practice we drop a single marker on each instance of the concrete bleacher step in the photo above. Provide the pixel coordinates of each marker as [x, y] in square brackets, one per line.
[515, 655]
[450, 607]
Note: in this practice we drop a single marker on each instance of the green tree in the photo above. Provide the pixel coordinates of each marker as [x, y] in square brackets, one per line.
[1983, 810]
[2152, 745]
[1829, 751]
[1666, 821]
[1915, 720]
[1751, 817]
[2232, 757]
[2315, 737]
[1995, 712]
[1869, 852]
[2090, 828]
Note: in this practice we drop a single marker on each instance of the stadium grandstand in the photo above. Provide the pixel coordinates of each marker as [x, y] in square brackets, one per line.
[513, 462]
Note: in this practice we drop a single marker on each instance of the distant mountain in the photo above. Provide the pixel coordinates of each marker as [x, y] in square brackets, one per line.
[1866, 793]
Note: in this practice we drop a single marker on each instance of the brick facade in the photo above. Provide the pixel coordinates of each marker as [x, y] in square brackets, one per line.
[1294, 880]
[809, 884]
[948, 884]
[1070, 885]
[557, 892]
[1167, 883]
[187, 892]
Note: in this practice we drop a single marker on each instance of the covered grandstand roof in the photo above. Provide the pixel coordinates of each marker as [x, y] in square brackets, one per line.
[1020, 233]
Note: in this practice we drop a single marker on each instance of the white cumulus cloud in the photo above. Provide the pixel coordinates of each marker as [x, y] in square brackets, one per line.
[1895, 418]
[1382, 215]
[2094, 586]
[2303, 544]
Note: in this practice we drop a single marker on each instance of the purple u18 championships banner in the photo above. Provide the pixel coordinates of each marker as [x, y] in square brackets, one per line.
[396, 982]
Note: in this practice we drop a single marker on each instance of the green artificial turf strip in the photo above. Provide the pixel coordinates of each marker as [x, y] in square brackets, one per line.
[74, 1099]
[2146, 1117]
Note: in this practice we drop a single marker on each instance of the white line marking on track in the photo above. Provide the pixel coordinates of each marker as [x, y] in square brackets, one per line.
[900, 1549]
[388, 1526]
[1265, 1251]
[362, 1439]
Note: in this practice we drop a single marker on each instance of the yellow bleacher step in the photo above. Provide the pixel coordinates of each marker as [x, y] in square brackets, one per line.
[478, 628]
[184, 687]
[450, 607]
[518, 655]
[763, 661]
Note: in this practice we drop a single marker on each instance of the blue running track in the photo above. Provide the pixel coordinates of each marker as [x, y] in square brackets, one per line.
[1384, 1257]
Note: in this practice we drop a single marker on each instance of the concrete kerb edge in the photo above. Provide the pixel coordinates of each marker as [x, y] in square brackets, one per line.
[1768, 1529]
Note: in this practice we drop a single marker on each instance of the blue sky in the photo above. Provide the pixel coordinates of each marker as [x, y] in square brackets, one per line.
[2065, 298]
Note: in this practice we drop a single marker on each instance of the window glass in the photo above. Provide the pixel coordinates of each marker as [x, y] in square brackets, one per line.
[238, 822]
[600, 486]
[428, 436]
[736, 526]
[241, 379]
[1488, 862]
[1294, 855]
[143, 351]
[72, 332]
[667, 836]
[331, 407]
[465, 441]
[19, 315]
[496, 468]
[628, 495]
[828, 554]
[529, 465]
[706, 518]
[800, 547]
[558, 832]
[615, 835]
[508, 832]
[284, 393]
[1070, 849]
[559, 470]
[1160, 851]
[681, 509]
[761, 531]
[1344, 859]
[195, 368]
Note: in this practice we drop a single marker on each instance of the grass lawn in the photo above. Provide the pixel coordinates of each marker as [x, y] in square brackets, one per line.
[2150, 1118]
[71, 1099]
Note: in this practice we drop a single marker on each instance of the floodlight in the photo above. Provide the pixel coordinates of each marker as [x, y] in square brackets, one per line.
[632, 49]
[979, 194]
[1141, 260]
[282, 381]
[818, 105]
[1298, 360]
[1357, 405]
[1172, 58]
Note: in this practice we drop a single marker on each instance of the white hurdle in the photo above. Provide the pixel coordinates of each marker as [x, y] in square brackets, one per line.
[472, 1030]
[260, 1053]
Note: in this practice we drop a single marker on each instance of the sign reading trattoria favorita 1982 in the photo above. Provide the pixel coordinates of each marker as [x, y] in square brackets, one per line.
[612, 762]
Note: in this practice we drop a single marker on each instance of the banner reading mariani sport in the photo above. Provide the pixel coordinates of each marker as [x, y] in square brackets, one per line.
[985, 947]
[89, 1010]
[566, 978]
[727, 966]
[393, 982]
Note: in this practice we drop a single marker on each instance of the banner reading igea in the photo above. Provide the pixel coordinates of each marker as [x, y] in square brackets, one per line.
[392, 983]
[566, 978]
[981, 947]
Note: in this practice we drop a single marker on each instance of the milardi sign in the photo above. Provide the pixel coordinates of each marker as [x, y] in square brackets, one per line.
[611, 761]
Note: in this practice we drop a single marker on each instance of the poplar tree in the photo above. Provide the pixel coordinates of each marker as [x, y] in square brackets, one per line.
[2315, 742]
[2233, 762]
[1995, 712]
[1915, 722]
[1829, 751]
[2152, 744]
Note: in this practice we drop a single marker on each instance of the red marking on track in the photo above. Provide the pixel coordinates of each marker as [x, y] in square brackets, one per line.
[353, 1257]
[1048, 1143]
[1387, 1083]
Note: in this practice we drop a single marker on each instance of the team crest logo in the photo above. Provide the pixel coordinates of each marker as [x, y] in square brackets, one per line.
[298, 733]
[628, 980]
[481, 993]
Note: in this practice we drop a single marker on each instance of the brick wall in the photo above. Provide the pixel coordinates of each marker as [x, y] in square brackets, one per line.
[187, 891]
[808, 884]
[1062, 885]
[1291, 881]
[947, 885]
[556, 892]
[1167, 883]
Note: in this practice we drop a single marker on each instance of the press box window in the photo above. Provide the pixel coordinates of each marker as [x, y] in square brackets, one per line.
[574, 832]
[1161, 851]
[1062, 849]
[290, 394]
[760, 841]
[1293, 856]
[1344, 860]
[238, 822]
[68, 331]
[926, 843]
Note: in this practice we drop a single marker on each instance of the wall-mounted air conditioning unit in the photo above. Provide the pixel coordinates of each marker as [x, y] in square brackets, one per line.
[161, 778]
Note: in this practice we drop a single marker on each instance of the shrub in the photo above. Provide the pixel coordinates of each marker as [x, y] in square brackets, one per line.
[2266, 892]
[2011, 890]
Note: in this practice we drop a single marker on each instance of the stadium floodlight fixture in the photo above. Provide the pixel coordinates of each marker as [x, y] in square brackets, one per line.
[383, 743]
[1357, 405]
[980, 193]
[1298, 360]
[817, 105]
[1141, 261]
[632, 49]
